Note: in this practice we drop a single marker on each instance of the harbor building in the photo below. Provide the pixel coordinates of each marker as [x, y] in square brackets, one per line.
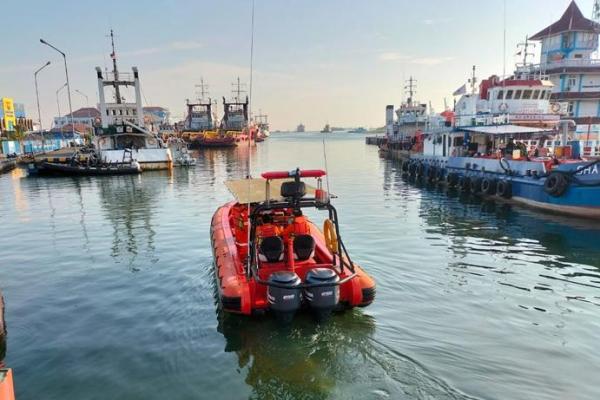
[567, 58]
[89, 116]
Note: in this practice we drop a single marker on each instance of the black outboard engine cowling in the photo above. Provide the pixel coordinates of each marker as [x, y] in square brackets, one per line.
[286, 298]
[325, 297]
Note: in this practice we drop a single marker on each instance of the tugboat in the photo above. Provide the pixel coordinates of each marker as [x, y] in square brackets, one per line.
[480, 150]
[270, 257]
[233, 129]
[199, 118]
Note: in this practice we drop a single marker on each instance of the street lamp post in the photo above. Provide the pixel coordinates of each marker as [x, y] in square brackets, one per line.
[58, 106]
[68, 86]
[37, 96]
[87, 105]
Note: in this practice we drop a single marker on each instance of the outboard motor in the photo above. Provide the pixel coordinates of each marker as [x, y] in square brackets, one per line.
[285, 300]
[325, 297]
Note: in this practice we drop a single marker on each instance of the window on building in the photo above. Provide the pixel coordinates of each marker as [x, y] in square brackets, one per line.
[535, 95]
[570, 109]
[571, 82]
[107, 112]
[518, 94]
[500, 94]
[568, 40]
[578, 56]
[526, 94]
[509, 94]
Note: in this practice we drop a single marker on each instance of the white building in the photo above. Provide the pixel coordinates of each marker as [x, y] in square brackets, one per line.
[567, 48]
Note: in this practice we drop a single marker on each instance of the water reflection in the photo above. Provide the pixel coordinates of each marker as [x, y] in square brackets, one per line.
[129, 205]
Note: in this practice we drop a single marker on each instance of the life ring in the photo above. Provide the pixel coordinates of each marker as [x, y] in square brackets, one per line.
[504, 189]
[331, 240]
[555, 107]
[503, 107]
[488, 186]
[556, 184]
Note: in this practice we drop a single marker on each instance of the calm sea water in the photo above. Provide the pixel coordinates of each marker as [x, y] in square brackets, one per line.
[109, 290]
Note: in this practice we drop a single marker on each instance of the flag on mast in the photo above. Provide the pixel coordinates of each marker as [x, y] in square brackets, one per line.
[460, 91]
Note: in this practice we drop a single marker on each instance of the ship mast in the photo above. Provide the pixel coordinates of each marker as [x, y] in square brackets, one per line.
[524, 46]
[412, 89]
[473, 81]
[237, 90]
[113, 55]
[203, 90]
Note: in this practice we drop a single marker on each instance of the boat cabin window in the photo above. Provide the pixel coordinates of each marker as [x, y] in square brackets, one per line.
[533, 143]
[518, 94]
[548, 94]
[457, 141]
[526, 94]
[509, 94]
[500, 94]
[535, 94]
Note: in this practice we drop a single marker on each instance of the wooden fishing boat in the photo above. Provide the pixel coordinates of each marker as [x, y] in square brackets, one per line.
[270, 257]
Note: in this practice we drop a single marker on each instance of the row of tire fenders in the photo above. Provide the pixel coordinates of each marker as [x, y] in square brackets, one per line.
[555, 184]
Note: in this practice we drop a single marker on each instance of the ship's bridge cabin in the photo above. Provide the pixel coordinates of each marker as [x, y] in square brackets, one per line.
[514, 100]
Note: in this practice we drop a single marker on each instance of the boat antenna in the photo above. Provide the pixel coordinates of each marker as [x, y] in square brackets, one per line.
[504, 46]
[113, 55]
[249, 263]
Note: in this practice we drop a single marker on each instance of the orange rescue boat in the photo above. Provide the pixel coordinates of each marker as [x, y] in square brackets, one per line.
[270, 257]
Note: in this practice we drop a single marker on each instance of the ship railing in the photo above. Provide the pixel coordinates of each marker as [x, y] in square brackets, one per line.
[551, 64]
[123, 76]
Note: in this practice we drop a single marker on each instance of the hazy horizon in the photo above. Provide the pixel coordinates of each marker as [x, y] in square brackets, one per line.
[315, 62]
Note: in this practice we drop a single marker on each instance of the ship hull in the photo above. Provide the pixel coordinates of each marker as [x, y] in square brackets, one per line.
[527, 181]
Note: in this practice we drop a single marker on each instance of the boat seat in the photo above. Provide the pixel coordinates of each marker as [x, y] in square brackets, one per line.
[304, 247]
[271, 249]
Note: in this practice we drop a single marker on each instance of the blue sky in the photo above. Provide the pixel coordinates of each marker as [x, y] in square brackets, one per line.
[336, 61]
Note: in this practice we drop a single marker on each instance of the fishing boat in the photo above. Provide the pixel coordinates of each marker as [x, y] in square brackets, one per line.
[122, 123]
[262, 124]
[270, 257]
